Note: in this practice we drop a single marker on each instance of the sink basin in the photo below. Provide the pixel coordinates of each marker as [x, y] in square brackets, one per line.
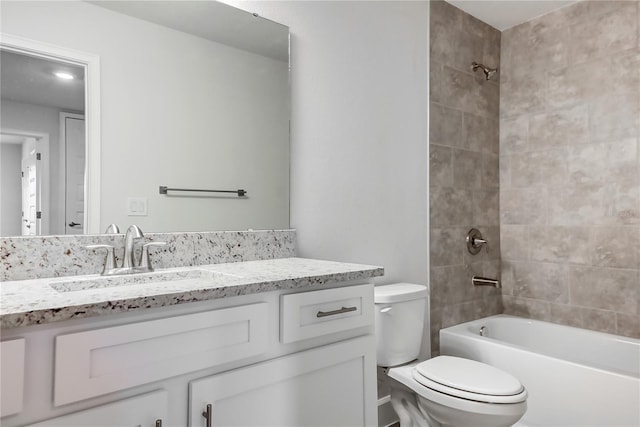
[139, 279]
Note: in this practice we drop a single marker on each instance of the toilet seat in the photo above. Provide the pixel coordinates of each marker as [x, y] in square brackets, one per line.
[469, 379]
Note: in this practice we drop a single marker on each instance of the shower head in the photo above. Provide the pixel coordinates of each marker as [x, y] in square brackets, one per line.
[488, 72]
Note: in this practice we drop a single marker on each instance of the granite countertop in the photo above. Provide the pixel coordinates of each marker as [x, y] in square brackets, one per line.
[38, 301]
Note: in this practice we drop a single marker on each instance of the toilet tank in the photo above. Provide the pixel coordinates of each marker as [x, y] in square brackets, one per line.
[400, 320]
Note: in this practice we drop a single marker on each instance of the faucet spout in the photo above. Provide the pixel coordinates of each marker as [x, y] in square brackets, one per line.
[133, 233]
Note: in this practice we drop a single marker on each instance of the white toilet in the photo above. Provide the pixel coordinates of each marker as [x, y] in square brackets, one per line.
[445, 390]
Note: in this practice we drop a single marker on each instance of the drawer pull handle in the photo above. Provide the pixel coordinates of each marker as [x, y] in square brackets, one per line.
[334, 312]
[207, 415]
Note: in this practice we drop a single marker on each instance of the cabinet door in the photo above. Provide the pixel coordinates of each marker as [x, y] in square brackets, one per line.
[333, 385]
[140, 411]
[100, 361]
[11, 376]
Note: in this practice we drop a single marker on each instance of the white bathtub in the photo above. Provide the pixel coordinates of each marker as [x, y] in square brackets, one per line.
[574, 377]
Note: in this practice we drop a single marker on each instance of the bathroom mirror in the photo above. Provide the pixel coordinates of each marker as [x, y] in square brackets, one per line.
[193, 95]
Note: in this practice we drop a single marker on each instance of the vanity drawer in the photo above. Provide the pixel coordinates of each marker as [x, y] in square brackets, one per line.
[11, 376]
[100, 361]
[312, 314]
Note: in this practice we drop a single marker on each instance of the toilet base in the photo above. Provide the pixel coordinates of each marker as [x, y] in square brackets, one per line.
[415, 410]
[405, 403]
[449, 417]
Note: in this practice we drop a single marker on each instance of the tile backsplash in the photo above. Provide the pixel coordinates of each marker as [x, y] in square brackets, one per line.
[55, 256]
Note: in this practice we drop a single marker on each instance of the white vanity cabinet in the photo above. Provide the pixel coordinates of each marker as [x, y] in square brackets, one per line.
[11, 376]
[100, 361]
[148, 410]
[286, 358]
[325, 386]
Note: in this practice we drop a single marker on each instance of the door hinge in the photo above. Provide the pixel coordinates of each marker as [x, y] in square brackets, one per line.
[38, 156]
[22, 174]
[39, 215]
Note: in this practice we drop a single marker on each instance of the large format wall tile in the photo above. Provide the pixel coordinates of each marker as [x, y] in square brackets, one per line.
[467, 169]
[605, 288]
[570, 167]
[559, 244]
[514, 134]
[546, 281]
[613, 30]
[556, 128]
[464, 167]
[616, 247]
[451, 206]
[514, 242]
[581, 317]
[539, 168]
[614, 117]
[480, 133]
[522, 206]
[446, 125]
[441, 166]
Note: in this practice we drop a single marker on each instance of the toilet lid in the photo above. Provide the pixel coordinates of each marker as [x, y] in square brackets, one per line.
[468, 379]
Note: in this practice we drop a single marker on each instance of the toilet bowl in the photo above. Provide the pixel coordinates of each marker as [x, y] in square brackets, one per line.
[460, 392]
[442, 391]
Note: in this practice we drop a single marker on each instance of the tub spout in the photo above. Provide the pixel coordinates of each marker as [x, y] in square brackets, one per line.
[485, 281]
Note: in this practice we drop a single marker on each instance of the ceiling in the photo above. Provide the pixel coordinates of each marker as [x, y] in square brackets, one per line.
[30, 79]
[210, 20]
[504, 14]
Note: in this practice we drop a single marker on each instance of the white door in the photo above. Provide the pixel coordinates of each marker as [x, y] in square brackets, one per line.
[74, 140]
[147, 410]
[326, 386]
[25, 187]
[31, 184]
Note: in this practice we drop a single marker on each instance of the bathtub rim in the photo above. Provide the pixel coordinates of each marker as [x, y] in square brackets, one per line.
[462, 330]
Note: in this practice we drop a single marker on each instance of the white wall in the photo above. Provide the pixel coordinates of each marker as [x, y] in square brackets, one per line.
[359, 178]
[167, 120]
[10, 189]
[40, 119]
[359, 155]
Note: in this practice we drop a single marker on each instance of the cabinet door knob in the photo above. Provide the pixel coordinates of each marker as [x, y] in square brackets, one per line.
[207, 415]
[158, 423]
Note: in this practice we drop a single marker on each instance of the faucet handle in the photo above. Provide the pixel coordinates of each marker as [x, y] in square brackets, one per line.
[110, 260]
[145, 259]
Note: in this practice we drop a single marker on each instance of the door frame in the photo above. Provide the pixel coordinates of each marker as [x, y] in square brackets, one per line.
[91, 64]
[42, 145]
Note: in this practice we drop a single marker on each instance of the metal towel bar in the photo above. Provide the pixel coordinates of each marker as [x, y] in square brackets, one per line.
[164, 189]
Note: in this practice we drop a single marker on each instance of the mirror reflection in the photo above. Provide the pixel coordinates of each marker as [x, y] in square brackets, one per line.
[193, 95]
[42, 142]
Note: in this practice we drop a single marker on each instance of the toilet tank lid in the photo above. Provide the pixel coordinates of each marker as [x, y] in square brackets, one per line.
[398, 292]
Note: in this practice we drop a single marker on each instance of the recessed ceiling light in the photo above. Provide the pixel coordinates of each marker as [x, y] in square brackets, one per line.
[64, 76]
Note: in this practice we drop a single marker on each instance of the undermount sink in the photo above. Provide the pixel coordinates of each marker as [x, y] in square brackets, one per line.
[140, 279]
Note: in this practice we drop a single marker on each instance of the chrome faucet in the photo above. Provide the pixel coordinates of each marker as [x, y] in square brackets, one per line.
[133, 233]
[129, 264]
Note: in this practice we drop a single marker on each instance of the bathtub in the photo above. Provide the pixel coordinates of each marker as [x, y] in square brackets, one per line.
[574, 377]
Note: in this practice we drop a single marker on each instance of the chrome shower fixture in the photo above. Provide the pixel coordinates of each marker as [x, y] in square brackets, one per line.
[488, 72]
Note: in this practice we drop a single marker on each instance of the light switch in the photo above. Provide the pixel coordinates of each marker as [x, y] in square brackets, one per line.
[137, 206]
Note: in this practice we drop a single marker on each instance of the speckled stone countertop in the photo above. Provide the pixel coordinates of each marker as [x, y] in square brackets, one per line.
[38, 301]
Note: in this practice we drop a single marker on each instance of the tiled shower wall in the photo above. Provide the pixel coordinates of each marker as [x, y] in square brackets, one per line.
[570, 167]
[464, 172]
